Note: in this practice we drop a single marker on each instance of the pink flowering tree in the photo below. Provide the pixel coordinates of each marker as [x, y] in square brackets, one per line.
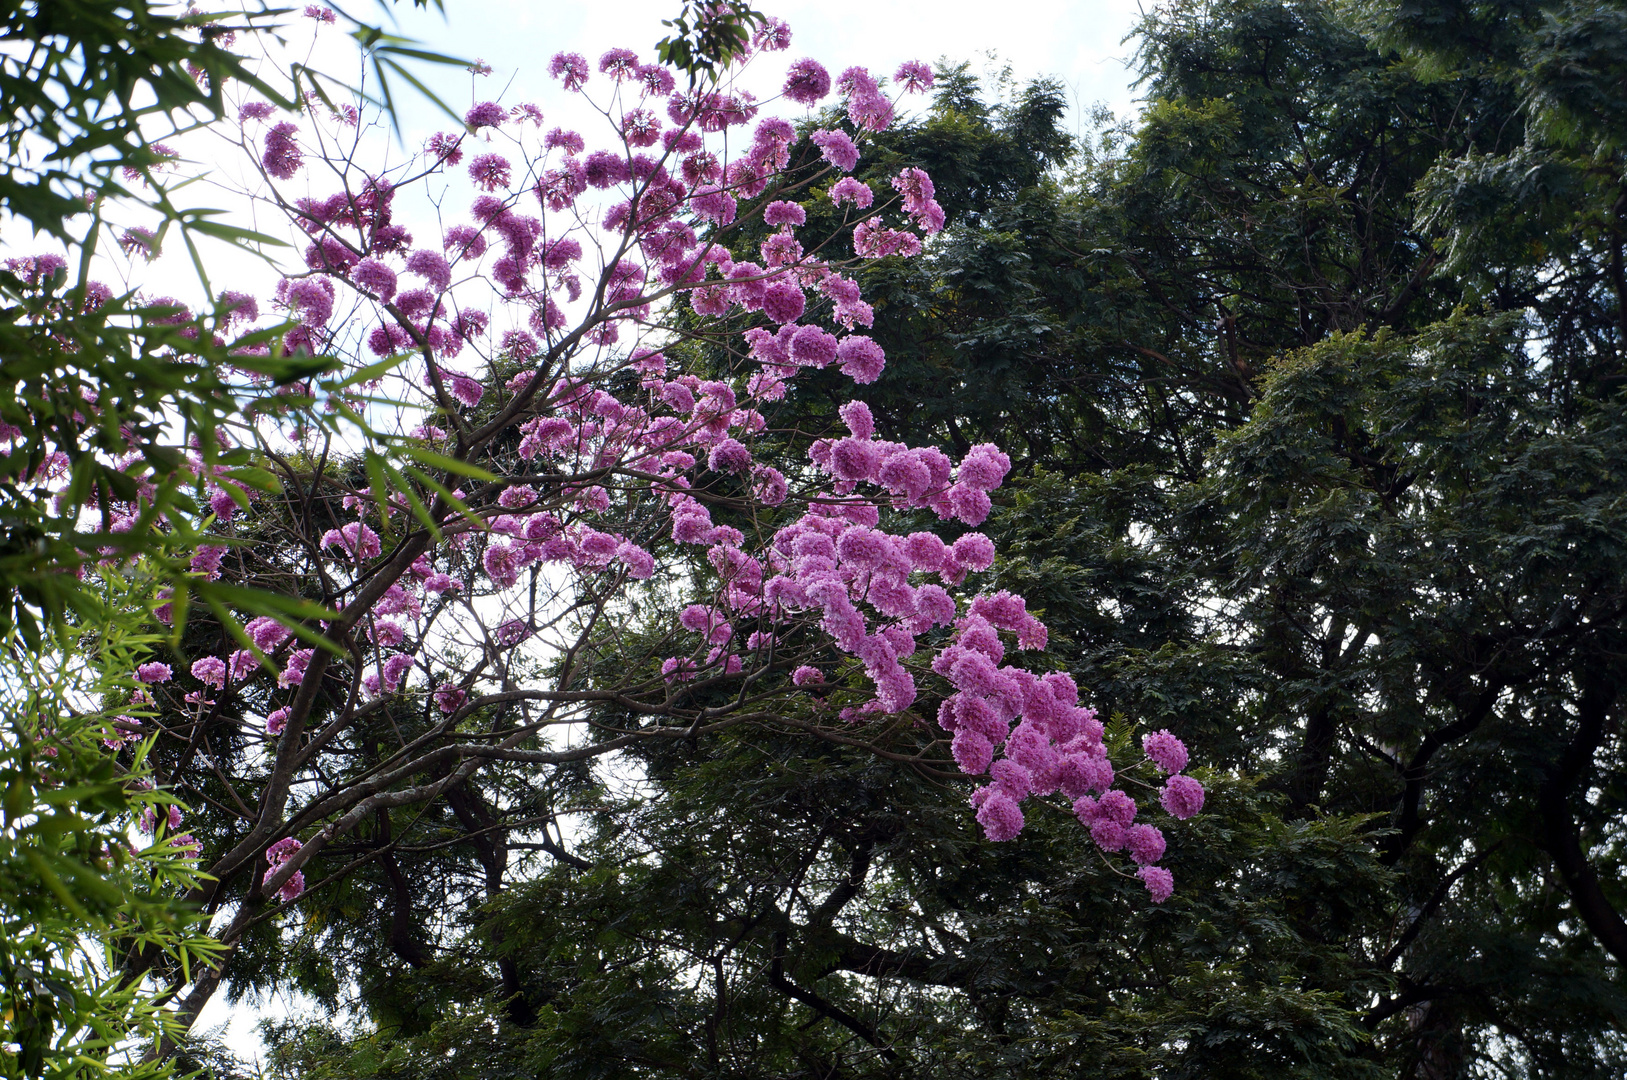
[529, 503]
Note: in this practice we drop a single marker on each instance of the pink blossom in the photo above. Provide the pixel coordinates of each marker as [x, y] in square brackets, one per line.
[310, 298]
[490, 171]
[1160, 882]
[356, 539]
[207, 559]
[568, 141]
[852, 191]
[282, 851]
[678, 669]
[210, 670]
[915, 76]
[569, 68]
[807, 82]
[448, 698]
[432, 267]
[783, 302]
[1182, 796]
[395, 669]
[729, 455]
[969, 504]
[282, 157]
[1108, 834]
[1165, 750]
[784, 213]
[243, 664]
[807, 675]
[485, 114]
[1117, 806]
[983, 467]
[837, 148]
[640, 127]
[998, 813]
[153, 673]
[1145, 844]
[619, 64]
[974, 551]
[972, 751]
[813, 347]
[292, 888]
[657, 80]
[374, 277]
[861, 358]
[773, 36]
[926, 551]
[294, 671]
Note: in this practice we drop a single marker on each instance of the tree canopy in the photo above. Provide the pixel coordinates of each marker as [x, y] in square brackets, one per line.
[1311, 376]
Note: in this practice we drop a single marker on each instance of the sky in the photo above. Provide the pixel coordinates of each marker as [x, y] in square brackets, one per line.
[1080, 42]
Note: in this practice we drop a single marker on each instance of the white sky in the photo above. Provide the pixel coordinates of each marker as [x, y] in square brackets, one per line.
[1081, 42]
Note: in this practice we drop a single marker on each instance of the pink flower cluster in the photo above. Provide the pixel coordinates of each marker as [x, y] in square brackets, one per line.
[602, 434]
[278, 854]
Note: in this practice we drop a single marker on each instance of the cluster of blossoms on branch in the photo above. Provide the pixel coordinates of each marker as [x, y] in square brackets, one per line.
[539, 346]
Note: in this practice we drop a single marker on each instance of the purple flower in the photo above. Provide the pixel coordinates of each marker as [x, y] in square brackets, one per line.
[729, 456]
[490, 171]
[998, 813]
[568, 141]
[916, 76]
[853, 191]
[373, 276]
[206, 560]
[783, 302]
[282, 157]
[432, 267]
[837, 148]
[282, 850]
[569, 68]
[448, 698]
[292, 888]
[210, 670]
[276, 722]
[657, 80]
[1182, 797]
[485, 114]
[513, 632]
[861, 358]
[319, 13]
[807, 82]
[808, 676]
[1160, 882]
[238, 307]
[1145, 844]
[1166, 751]
[603, 169]
[466, 390]
[310, 298]
[153, 673]
[619, 64]
[254, 110]
[243, 665]
[396, 668]
[355, 539]
[774, 35]
[445, 147]
[784, 213]
[640, 127]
